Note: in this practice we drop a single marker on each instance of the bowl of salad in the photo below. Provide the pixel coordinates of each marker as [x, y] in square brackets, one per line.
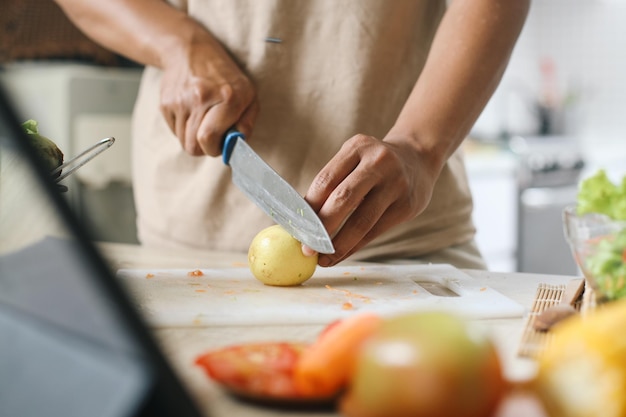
[595, 229]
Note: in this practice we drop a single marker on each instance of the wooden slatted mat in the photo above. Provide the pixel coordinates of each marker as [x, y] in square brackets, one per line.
[534, 341]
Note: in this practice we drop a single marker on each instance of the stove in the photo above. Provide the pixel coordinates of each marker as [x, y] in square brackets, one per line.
[548, 172]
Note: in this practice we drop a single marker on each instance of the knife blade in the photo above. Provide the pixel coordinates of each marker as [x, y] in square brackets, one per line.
[275, 196]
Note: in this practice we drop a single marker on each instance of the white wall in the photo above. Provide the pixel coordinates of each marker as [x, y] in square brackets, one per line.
[586, 40]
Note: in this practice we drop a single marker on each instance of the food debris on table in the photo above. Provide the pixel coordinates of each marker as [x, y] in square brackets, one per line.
[149, 275]
[347, 292]
[198, 320]
[195, 273]
[350, 295]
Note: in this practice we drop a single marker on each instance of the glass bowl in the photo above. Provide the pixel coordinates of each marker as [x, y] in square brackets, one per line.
[598, 245]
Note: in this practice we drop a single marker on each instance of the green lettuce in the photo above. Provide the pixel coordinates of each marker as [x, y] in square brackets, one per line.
[607, 262]
[598, 194]
[49, 153]
[607, 266]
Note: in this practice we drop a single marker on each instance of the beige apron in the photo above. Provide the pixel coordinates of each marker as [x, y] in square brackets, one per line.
[341, 68]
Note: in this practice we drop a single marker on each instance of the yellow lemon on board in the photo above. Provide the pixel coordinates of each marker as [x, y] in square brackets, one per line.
[582, 372]
[275, 258]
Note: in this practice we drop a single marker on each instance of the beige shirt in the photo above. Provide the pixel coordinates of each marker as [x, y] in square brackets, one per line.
[341, 68]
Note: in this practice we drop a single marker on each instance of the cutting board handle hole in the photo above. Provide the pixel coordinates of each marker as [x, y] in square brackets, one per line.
[437, 289]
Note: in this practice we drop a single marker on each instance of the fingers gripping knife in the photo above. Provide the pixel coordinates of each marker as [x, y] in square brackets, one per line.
[268, 190]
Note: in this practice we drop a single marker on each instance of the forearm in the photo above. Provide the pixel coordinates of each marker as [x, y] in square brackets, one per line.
[468, 57]
[203, 91]
[146, 31]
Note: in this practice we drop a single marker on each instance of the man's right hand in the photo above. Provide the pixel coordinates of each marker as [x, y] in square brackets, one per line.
[203, 94]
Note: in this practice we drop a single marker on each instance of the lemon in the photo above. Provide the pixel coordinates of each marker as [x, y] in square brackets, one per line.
[582, 372]
[275, 258]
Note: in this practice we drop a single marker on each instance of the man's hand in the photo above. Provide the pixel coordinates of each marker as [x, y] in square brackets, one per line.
[367, 188]
[374, 185]
[203, 94]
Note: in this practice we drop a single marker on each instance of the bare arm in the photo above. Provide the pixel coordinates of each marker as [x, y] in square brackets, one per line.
[146, 31]
[469, 55]
[376, 184]
[203, 92]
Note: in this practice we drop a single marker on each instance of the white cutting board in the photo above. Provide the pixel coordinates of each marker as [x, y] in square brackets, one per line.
[232, 296]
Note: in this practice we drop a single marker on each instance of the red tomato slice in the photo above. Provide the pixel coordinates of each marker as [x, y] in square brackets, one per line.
[257, 370]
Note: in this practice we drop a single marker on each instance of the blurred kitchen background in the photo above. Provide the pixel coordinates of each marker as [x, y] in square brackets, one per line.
[558, 116]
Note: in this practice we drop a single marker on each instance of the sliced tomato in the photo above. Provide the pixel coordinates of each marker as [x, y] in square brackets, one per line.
[261, 370]
[292, 371]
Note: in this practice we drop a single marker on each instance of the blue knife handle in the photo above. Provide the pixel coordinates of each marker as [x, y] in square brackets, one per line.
[229, 144]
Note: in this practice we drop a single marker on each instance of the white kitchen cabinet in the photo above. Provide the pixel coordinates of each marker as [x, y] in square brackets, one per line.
[492, 179]
[76, 105]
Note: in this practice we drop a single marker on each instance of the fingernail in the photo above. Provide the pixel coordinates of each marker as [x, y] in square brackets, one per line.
[306, 251]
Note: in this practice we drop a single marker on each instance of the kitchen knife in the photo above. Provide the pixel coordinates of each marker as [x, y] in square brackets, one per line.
[268, 190]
